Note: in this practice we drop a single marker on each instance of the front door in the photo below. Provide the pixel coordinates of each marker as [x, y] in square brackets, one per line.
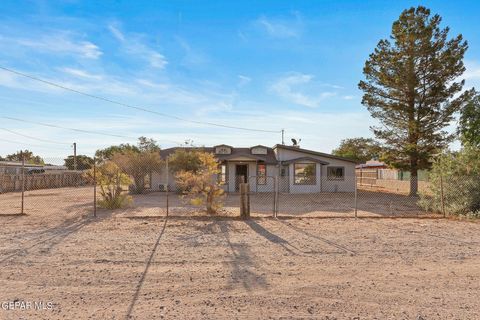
[241, 170]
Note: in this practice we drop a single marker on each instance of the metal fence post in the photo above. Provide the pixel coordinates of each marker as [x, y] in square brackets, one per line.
[356, 196]
[442, 196]
[94, 186]
[167, 191]
[275, 197]
[23, 183]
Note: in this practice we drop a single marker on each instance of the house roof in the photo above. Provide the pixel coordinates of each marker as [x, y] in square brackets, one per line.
[305, 159]
[268, 158]
[372, 164]
[315, 153]
[17, 164]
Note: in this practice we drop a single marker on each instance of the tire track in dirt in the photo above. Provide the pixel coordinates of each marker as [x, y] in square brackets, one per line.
[144, 274]
[53, 235]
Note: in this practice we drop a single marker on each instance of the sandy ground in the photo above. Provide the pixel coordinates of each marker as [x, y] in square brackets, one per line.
[138, 264]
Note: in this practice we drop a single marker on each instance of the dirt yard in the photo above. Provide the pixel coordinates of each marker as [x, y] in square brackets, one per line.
[138, 264]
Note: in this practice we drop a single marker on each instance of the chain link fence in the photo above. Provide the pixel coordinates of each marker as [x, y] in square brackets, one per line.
[55, 189]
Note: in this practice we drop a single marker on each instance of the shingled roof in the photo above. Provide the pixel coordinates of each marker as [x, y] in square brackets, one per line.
[268, 158]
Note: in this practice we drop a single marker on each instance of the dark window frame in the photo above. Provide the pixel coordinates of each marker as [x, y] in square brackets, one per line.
[308, 182]
[335, 178]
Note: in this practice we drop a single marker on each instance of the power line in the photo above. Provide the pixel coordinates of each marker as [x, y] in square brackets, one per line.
[34, 138]
[79, 130]
[66, 128]
[32, 145]
[134, 107]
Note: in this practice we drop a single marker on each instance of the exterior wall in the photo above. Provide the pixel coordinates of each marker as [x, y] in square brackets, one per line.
[345, 185]
[161, 178]
[286, 184]
[302, 188]
[323, 184]
[252, 173]
[269, 186]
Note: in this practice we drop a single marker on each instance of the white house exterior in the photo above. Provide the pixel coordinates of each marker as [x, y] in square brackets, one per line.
[290, 168]
[331, 173]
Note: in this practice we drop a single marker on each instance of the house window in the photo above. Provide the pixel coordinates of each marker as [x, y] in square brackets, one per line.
[336, 173]
[305, 173]
[261, 173]
[222, 177]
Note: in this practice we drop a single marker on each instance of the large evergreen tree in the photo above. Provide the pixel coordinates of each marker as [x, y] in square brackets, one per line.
[411, 87]
[469, 124]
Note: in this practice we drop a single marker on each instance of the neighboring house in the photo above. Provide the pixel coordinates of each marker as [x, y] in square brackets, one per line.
[14, 167]
[296, 170]
[372, 164]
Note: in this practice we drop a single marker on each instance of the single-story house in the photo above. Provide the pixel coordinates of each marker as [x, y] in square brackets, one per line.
[372, 164]
[15, 167]
[295, 169]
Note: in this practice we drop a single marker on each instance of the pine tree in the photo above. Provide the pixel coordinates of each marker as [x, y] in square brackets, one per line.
[469, 123]
[411, 87]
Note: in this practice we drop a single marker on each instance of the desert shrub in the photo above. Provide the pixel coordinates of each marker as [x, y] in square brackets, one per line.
[202, 187]
[138, 164]
[459, 172]
[111, 180]
[184, 160]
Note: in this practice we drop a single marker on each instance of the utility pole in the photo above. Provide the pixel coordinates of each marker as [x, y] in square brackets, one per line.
[74, 156]
[283, 136]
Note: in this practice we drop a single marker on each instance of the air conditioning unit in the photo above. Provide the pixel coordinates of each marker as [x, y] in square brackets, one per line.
[162, 187]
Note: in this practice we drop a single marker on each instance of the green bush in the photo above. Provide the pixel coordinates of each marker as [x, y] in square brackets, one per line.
[120, 201]
[111, 180]
[459, 173]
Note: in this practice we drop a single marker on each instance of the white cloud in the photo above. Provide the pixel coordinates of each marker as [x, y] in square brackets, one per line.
[81, 73]
[290, 86]
[116, 33]
[281, 27]
[192, 57]
[472, 70]
[347, 97]
[135, 46]
[59, 42]
[243, 80]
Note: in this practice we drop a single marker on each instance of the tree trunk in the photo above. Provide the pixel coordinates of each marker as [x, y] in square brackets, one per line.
[139, 184]
[413, 181]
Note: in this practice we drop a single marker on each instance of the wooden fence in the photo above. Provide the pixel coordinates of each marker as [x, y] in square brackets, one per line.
[387, 180]
[10, 183]
[366, 176]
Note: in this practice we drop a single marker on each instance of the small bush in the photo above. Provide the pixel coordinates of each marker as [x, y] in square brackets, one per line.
[202, 186]
[459, 173]
[111, 180]
[120, 201]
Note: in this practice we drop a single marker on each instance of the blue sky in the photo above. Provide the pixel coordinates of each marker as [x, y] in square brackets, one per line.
[257, 64]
